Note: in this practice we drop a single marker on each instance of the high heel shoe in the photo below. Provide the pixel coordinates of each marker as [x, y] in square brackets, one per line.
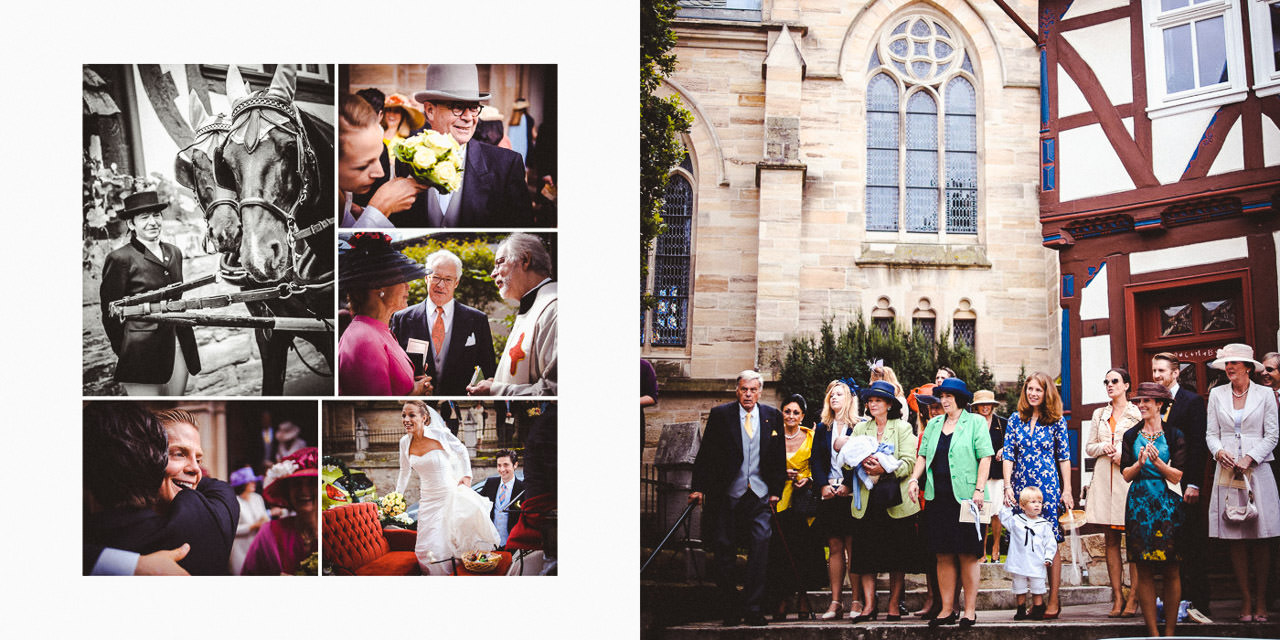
[929, 614]
[965, 623]
[834, 610]
[947, 621]
[863, 617]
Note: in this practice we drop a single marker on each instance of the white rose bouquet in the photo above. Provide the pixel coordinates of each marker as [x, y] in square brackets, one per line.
[434, 158]
[392, 505]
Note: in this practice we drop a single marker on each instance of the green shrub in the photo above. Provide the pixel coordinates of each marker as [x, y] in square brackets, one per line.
[810, 362]
[475, 287]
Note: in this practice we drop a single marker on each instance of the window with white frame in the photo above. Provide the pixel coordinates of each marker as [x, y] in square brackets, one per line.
[1193, 54]
[922, 131]
[1264, 29]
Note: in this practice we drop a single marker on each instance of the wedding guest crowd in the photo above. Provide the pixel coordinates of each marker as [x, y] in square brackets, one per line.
[889, 486]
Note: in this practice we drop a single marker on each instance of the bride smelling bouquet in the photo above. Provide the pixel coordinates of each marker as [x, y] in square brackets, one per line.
[452, 518]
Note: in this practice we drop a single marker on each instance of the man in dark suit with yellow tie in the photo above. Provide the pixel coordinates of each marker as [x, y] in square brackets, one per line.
[738, 477]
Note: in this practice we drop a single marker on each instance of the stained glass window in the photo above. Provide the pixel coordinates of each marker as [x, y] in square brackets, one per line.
[671, 266]
[922, 132]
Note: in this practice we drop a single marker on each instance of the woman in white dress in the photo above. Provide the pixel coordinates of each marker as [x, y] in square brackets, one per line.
[253, 514]
[1242, 429]
[452, 518]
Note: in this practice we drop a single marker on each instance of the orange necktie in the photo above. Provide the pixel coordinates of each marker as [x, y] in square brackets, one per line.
[437, 331]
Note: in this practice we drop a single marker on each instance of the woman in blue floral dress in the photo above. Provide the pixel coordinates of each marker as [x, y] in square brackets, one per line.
[1152, 458]
[1036, 454]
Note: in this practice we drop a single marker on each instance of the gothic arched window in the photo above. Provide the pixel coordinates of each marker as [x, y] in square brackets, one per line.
[670, 266]
[922, 131]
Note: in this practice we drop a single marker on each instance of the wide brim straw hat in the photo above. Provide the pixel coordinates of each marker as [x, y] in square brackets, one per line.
[412, 110]
[449, 82]
[954, 386]
[370, 262]
[1236, 352]
[489, 113]
[1153, 390]
[1072, 520]
[984, 396]
[883, 390]
[145, 201]
[299, 466]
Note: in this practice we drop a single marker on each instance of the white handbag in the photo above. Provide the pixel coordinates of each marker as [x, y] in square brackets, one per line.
[1240, 512]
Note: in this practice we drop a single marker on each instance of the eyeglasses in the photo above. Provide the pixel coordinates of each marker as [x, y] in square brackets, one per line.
[441, 280]
[1112, 381]
[459, 108]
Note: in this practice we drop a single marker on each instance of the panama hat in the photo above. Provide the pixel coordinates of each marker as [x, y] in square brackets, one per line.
[984, 397]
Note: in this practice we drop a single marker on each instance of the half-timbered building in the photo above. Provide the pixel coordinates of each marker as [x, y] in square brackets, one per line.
[1160, 168]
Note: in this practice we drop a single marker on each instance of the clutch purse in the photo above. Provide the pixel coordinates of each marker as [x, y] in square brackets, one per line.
[1240, 512]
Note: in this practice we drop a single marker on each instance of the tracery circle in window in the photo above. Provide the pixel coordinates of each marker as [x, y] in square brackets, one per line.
[922, 50]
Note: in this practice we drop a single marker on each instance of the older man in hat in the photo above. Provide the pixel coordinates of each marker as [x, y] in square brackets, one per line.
[493, 192]
[154, 358]
[522, 272]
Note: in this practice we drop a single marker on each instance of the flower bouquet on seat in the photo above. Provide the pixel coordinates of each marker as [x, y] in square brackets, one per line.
[434, 158]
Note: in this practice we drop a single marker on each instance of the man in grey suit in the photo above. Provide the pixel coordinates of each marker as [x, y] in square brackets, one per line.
[738, 476]
[450, 338]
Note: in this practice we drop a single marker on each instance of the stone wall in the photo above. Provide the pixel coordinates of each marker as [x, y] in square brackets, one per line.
[779, 238]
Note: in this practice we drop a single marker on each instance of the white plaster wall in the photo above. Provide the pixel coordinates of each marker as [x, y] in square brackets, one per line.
[1093, 298]
[1105, 48]
[1086, 7]
[1270, 143]
[1095, 361]
[1128, 125]
[1088, 165]
[1070, 100]
[1231, 157]
[1173, 139]
[1190, 255]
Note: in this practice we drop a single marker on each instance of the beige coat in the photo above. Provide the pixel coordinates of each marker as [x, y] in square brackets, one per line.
[1108, 490]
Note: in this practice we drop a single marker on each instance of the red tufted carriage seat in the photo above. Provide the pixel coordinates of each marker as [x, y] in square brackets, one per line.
[356, 544]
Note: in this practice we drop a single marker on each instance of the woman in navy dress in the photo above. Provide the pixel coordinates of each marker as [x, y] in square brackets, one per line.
[1037, 454]
[1151, 460]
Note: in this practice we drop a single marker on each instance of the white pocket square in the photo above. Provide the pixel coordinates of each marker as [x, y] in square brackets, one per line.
[471, 341]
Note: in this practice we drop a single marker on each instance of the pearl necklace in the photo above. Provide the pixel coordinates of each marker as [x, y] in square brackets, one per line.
[1239, 395]
[792, 437]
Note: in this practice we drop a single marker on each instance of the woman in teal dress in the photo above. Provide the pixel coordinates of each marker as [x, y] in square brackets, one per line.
[1152, 458]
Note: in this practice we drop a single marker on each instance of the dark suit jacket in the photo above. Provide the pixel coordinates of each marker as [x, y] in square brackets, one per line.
[413, 322]
[1189, 415]
[145, 349]
[205, 517]
[493, 192]
[720, 455]
[490, 491]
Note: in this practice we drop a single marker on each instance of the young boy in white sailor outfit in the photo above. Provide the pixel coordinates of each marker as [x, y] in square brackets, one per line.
[1032, 544]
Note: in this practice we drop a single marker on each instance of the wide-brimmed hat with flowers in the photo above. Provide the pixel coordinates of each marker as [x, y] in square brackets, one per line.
[299, 466]
[922, 394]
[412, 110]
[1236, 352]
[370, 262]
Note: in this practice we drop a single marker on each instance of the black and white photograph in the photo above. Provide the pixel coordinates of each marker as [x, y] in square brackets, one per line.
[208, 229]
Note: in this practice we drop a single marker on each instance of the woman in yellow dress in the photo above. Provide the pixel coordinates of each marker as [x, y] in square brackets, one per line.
[795, 552]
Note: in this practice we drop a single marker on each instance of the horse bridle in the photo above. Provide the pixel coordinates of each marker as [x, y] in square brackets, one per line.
[308, 166]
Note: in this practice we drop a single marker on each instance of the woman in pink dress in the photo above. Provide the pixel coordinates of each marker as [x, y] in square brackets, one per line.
[376, 280]
[285, 545]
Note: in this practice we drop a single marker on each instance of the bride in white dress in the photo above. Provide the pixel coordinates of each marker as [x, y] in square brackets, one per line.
[452, 518]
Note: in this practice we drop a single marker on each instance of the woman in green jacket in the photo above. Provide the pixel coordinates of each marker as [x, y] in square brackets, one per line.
[956, 454]
[884, 531]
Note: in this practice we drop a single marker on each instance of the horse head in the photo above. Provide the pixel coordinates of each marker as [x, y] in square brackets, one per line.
[194, 169]
[269, 162]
